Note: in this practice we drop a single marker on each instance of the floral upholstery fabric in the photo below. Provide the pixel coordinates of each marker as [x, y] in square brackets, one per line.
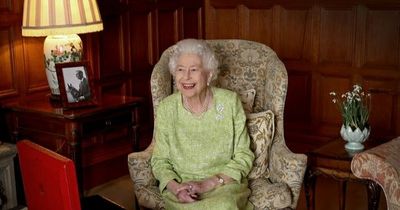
[244, 65]
[267, 195]
[381, 165]
[261, 130]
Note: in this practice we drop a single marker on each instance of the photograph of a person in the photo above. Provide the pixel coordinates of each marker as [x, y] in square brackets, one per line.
[76, 84]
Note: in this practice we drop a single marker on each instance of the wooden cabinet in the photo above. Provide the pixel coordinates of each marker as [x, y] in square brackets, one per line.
[97, 138]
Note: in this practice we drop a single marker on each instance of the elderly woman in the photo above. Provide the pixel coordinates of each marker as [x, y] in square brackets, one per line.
[202, 153]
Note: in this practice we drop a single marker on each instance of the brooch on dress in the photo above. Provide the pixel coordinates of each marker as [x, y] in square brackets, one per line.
[220, 109]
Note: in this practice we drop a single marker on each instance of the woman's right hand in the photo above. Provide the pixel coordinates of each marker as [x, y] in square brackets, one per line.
[181, 191]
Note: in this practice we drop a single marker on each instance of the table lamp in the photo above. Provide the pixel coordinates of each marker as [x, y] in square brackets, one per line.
[60, 21]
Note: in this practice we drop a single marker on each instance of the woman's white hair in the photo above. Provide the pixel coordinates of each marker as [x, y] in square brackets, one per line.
[197, 47]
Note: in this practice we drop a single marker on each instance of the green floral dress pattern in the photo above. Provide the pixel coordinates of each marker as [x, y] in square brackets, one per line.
[192, 147]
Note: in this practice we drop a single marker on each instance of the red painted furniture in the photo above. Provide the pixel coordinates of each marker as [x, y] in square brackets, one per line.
[50, 181]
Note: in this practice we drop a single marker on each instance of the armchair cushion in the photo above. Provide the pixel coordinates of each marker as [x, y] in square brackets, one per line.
[261, 130]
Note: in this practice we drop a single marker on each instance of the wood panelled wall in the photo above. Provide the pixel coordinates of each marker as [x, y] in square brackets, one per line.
[136, 33]
[326, 45]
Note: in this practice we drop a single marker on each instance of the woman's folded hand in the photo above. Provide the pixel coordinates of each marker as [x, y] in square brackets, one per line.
[183, 191]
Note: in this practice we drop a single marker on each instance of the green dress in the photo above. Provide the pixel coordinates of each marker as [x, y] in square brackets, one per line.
[192, 147]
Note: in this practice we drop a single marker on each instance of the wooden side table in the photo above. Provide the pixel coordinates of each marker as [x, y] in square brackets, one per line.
[332, 160]
[97, 138]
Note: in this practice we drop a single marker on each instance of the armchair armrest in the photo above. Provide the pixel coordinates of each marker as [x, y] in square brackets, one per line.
[288, 167]
[140, 168]
[144, 182]
[381, 164]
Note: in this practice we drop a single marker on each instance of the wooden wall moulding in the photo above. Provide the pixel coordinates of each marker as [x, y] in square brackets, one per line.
[326, 46]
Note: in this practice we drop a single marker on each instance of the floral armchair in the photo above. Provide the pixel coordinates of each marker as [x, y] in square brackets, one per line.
[244, 65]
[381, 164]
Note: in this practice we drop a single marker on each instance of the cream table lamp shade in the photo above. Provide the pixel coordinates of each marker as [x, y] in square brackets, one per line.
[60, 21]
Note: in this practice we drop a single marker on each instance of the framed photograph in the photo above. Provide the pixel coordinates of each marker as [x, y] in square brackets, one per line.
[76, 85]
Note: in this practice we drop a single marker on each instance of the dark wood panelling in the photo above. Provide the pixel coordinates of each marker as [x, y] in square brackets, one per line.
[331, 83]
[337, 36]
[6, 85]
[35, 74]
[193, 24]
[382, 38]
[6, 5]
[225, 23]
[298, 109]
[141, 22]
[326, 46]
[22, 68]
[113, 63]
[385, 105]
[168, 27]
[256, 22]
[297, 22]
[112, 47]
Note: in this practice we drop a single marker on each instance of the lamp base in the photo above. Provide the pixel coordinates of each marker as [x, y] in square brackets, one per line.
[60, 49]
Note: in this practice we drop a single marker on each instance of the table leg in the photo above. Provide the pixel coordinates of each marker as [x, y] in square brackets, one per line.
[342, 195]
[374, 192]
[309, 188]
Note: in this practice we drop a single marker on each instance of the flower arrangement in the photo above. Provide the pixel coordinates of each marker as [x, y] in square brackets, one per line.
[354, 106]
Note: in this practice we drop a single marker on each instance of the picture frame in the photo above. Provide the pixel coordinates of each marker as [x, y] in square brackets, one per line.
[76, 84]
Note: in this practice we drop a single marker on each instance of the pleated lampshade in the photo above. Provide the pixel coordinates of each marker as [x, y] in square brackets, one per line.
[55, 17]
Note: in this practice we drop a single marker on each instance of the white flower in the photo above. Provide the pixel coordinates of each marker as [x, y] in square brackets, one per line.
[354, 106]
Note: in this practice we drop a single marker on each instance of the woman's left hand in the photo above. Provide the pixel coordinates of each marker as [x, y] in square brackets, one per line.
[203, 186]
[185, 196]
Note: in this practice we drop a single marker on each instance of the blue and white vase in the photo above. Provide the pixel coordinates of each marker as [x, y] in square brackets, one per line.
[354, 138]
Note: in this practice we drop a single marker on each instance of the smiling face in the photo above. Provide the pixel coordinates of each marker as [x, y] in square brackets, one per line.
[190, 77]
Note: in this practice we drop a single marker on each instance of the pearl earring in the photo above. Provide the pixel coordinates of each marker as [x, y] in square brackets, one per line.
[209, 80]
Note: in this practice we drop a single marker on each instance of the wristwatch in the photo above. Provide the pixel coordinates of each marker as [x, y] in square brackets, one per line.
[220, 179]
